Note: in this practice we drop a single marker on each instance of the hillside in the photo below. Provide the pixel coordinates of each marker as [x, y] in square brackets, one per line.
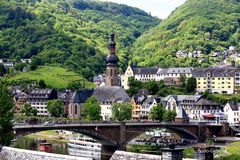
[73, 33]
[205, 25]
[54, 77]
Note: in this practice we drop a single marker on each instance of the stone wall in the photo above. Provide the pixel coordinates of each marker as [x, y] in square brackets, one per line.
[122, 155]
[8, 153]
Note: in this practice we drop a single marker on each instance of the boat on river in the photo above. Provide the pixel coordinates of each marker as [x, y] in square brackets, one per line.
[96, 155]
[85, 143]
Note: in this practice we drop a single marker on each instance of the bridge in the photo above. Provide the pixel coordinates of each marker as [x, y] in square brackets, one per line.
[116, 135]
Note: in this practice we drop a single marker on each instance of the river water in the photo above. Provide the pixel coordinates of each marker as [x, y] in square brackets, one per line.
[57, 147]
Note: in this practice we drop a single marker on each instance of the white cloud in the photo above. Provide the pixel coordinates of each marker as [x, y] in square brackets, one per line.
[159, 8]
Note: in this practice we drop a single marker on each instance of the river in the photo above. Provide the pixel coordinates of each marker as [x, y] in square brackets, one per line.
[57, 147]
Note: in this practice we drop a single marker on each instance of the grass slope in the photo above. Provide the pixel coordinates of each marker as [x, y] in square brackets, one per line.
[54, 77]
[234, 148]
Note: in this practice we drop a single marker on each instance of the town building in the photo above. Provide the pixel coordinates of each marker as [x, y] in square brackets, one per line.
[142, 74]
[8, 64]
[147, 106]
[107, 96]
[205, 109]
[99, 80]
[171, 76]
[195, 106]
[232, 112]
[218, 80]
[112, 66]
[175, 102]
[38, 99]
[136, 103]
[142, 105]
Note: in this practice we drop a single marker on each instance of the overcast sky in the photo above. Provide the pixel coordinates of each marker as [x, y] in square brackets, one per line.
[159, 8]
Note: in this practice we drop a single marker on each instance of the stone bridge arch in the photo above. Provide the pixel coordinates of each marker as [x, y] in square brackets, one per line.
[183, 133]
[87, 132]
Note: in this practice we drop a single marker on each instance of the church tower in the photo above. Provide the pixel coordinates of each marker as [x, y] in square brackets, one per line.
[112, 66]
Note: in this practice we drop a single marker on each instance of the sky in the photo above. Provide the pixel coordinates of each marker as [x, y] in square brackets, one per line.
[159, 8]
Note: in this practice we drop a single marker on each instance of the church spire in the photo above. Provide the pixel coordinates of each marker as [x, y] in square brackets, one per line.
[112, 66]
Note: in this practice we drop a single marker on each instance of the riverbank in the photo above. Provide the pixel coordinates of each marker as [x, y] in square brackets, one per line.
[51, 135]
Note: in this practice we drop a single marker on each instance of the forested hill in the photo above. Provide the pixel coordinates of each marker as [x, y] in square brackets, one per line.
[206, 25]
[73, 33]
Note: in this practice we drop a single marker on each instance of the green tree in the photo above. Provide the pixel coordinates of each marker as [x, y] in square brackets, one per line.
[134, 86]
[91, 109]
[182, 79]
[6, 115]
[28, 110]
[55, 107]
[157, 112]
[20, 66]
[152, 87]
[169, 115]
[2, 70]
[191, 84]
[78, 84]
[121, 111]
[42, 84]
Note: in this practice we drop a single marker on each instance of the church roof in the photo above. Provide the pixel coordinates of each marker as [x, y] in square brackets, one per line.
[81, 96]
[111, 93]
[182, 113]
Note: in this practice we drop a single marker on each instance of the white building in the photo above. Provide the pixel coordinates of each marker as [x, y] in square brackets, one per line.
[106, 96]
[154, 74]
[232, 112]
[38, 99]
[174, 102]
[195, 106]
[173, 73]
[147, 105]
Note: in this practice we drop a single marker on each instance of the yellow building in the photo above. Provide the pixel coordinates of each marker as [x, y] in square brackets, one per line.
[136, 103]
[219, 80]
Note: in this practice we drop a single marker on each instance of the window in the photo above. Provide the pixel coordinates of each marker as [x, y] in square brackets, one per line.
[75, 109]
[110, 72]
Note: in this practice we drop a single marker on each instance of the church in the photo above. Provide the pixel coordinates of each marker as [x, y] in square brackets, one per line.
[106, 95]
